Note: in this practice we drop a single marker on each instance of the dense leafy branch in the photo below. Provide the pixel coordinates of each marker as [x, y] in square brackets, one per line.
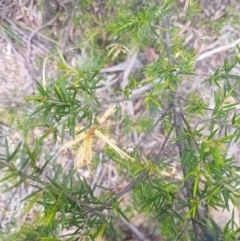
[198, 230]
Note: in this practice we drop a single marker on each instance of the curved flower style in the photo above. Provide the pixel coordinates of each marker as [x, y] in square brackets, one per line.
[85, 153]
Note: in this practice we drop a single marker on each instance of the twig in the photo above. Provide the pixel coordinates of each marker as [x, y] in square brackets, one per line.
[130, 186]
[197, 228]
[135, 230]
[164, 143]
[8, 204]
[218, 50]
[158, 120]
[185, 226]
[20, 24]
[122, 66]
[34, 32]
[148, 133]
[44, 185]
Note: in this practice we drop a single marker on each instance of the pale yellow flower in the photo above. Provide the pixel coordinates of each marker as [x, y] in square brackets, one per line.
[85, 153]
[71, 144]
[111, 143]
[110, 110]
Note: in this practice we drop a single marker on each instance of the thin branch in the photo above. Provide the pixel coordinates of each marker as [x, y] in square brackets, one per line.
[197, 228]
[158, 120]
[44, 185]
[135, 230]
[7, 205]
[185, 226]
[131, 185]
[164, 143]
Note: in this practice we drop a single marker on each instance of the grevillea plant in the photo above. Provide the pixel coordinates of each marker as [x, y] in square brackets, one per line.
[193, 167]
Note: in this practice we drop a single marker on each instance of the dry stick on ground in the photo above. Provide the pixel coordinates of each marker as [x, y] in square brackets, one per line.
[33, 34]
[218, 50]
[135, 230]
[197, 228]
[68, 28]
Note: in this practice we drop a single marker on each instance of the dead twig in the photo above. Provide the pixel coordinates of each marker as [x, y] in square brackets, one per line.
[218, 50]
[65, 38]
[33, 34]
[135, 230]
